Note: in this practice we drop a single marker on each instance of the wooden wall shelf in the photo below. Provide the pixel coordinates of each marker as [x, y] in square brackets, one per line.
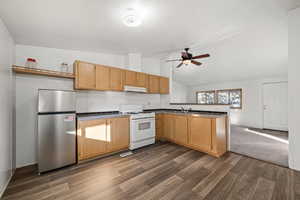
[42, 72]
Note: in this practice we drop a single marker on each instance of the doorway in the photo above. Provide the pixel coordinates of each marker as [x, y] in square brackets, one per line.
[270, 141]
[275, 105]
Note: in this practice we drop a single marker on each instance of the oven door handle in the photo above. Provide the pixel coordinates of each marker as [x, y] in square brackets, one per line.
[143, 118]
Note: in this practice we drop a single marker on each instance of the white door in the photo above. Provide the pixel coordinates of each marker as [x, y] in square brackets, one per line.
[275, 97]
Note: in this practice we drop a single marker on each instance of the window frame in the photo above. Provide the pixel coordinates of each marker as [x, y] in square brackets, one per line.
[216, 100]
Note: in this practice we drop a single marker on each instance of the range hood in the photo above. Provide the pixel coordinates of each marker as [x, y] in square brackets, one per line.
[128, 88]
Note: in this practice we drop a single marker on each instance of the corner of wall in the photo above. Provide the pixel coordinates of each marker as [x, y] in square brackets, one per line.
[7, 50]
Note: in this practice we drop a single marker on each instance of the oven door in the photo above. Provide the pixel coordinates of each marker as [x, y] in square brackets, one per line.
[142, 129]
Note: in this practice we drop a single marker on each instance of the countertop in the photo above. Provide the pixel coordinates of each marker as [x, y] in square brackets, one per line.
[210, 114]
[113, 114]
[99, 115]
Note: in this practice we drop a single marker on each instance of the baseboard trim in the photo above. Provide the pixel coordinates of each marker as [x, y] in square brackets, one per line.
[5, 186]
[25, 165]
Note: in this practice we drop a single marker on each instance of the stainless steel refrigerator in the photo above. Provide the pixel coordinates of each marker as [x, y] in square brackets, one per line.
[56, 129]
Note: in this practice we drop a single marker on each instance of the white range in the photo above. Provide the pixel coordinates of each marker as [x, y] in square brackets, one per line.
[142, 126]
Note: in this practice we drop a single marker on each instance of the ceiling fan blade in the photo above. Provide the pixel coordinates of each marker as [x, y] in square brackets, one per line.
[201, 56]
[173, 60]
[179, 65]
[196, 62]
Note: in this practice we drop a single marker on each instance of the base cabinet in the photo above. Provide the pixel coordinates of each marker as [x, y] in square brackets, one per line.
[180, 129]
[200, 133]
[168, 129]
[102, 136]
[117, 134]
[91, 138]
[159, 126]
[206, 134]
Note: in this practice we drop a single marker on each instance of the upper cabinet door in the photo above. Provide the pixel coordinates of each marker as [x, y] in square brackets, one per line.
[102, 78]
[142, 80]
[164, 85]
[154, 84]
[85, 76]
[200, 133]
[130, 78]
[116, 79]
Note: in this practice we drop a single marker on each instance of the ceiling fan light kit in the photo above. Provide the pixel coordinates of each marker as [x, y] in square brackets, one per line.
[187, 62]
[188, 58]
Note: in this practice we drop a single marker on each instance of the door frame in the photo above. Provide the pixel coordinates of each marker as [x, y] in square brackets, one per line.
[263, 103]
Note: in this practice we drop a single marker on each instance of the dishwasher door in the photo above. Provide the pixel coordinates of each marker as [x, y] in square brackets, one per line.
[56, 141]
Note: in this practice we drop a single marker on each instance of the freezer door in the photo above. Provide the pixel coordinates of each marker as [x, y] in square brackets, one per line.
[56, 141]
[56, 101]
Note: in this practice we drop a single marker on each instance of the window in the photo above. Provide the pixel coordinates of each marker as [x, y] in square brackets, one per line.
[206, 97]
[231, 97]
[223, 97]
[235, 98]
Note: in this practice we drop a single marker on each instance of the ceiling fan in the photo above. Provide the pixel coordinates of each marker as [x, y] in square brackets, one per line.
[188, 58]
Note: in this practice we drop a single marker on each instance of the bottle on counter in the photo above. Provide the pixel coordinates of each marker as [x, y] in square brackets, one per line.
[31, 63]
[64, 67]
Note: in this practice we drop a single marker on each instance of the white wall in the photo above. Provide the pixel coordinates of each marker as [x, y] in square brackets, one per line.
[151, 65]
[50, 58]
[87, 101]
[6, 106]
[294, 88]
[179, 92]
[26, 109]
[252, 112]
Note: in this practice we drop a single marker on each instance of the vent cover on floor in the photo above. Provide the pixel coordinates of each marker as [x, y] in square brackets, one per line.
[125, 154]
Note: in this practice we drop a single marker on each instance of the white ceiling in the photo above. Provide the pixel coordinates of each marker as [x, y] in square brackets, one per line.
[253, 54]
[253, 50]
[96, 25]
[247, 39]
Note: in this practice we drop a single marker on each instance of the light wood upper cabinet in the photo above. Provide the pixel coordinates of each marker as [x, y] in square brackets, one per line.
[164, 85]
[200, 134]
[92, 138]
[85, 75]
[137, 79]
[142, 80]
[154, 84]
[102, 77]
[90, 76]
[181, 129]
[116, 79]
[118, 134]
[130, 78]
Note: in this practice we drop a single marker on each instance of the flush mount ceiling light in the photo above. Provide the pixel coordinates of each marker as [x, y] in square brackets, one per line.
[132, 18]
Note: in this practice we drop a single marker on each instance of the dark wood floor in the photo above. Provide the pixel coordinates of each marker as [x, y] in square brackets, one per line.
[162, 171]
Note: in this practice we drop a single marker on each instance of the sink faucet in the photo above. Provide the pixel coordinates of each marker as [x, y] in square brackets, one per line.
[182, 109]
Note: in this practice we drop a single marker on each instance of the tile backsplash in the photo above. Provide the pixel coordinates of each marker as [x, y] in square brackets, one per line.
[110, 101]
